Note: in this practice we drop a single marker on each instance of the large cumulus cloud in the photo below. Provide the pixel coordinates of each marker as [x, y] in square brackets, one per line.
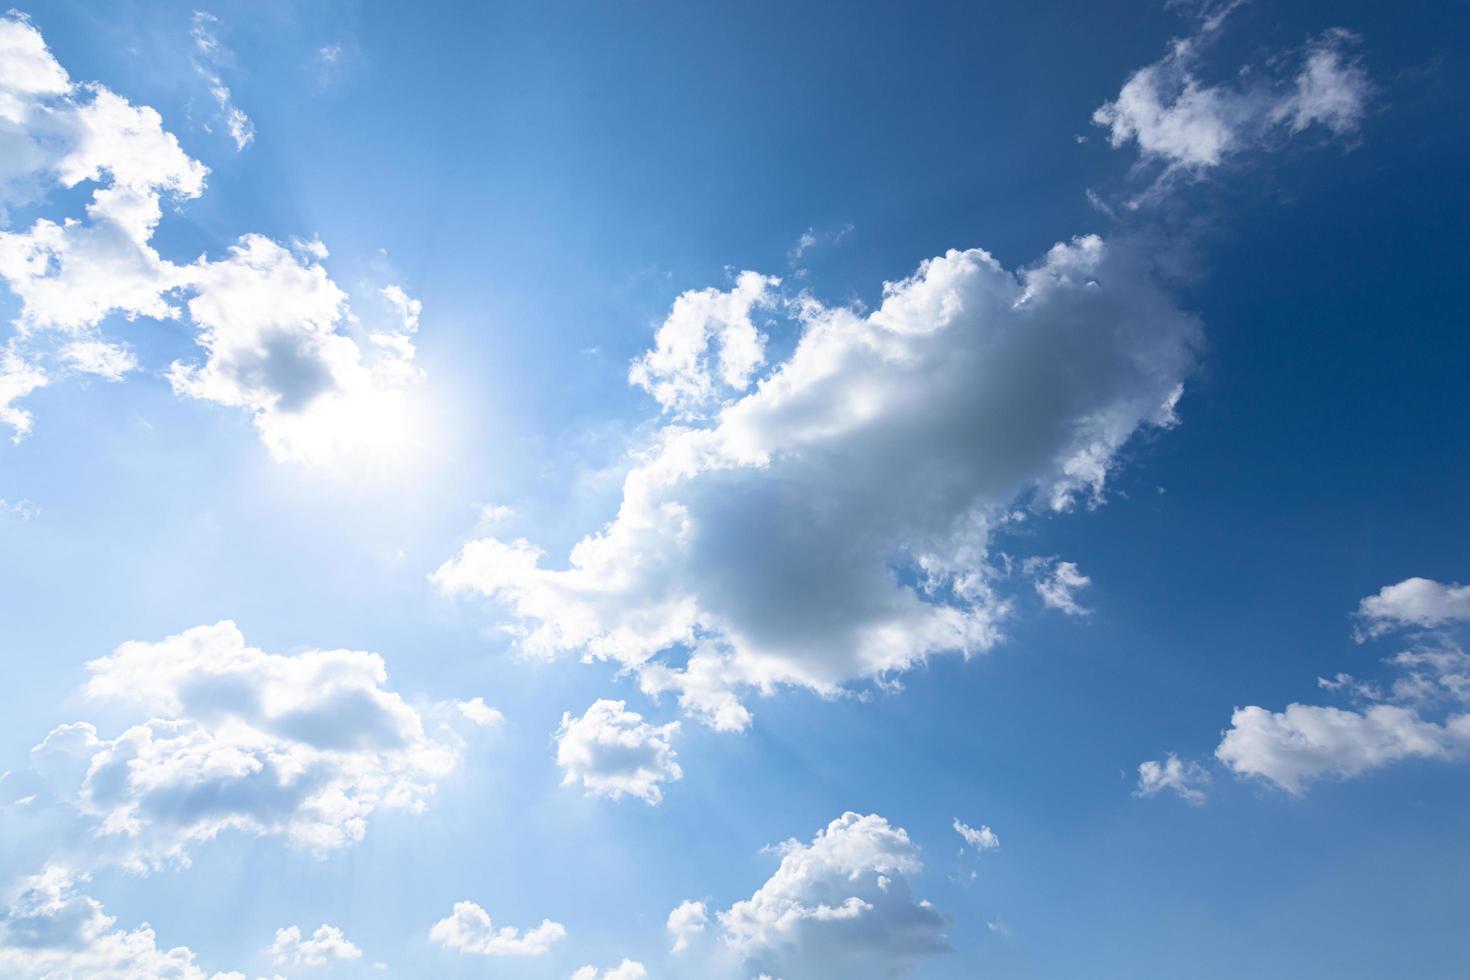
[834, 523]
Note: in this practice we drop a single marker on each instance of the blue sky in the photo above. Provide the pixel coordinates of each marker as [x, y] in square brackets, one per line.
[1014, 457]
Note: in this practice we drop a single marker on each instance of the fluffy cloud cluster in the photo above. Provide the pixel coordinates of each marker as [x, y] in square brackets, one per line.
[612, 751]
[626, 970]
[469, 930]
[277, 332]
[841, 905]
[1423, 711]
[833, 523]
[49, 931]
[325, 945]
[306, 746]
[1190, 127]
[1175, 774]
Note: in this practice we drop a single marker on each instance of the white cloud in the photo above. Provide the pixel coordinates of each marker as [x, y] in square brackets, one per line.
[1307, 742]
[18, 378]
[1190, 127]
[981, 840]
[275, 328]
[209, 53]
[1419, 712]
[680, 371]
[833, 524]
[1175, 774]
[1414, 602]
[687, 922]
[468, 930]
[305, 746]
[99, 357]
[1057, 582]
[58, 133]
[840, 906]
[1331, 90]
[479, 713]
[51, 932]
[21, 509]
[325, 945]
[613, 752]
[268, 322]
[626, 970]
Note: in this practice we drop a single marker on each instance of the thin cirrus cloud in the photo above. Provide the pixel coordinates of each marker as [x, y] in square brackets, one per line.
[1420, 710]
[277, 333]
[229, 738]
[761, 539]
[840, 905]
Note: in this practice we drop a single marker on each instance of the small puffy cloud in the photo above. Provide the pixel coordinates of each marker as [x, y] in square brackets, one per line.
[1058, 582]
[1174, 774]
[1305, 742]
[626, 970]
[842, 905]
[325, 945]
[468, 929]
[833, 524]
[681, 372]
[981, 840]
[305, 746]
[612, 751]
[687, 922]
[477, 712]
[1189, 126]
[50, 931]
[1415, 602]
